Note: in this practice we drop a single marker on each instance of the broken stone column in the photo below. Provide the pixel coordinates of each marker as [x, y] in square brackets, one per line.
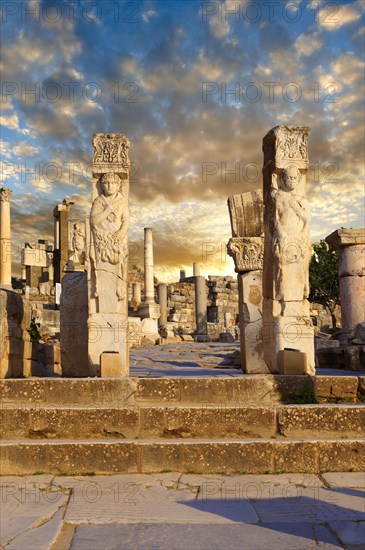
[350, 247]
[149, 311]
[136, 293]
[149, 288]
[196, 269]
[246, 249]
[201, 308]
[287, 249]
[162, 301]
[61, 238]
[182, 274]
[5, 239]
[107, 252]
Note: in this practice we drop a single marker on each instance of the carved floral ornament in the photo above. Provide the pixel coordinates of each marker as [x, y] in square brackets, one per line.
[286, 144]
[111, 149]
[247, 253]
[293, 146]
[5, 195]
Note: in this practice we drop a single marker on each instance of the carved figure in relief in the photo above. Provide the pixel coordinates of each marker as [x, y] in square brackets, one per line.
[109, 226]
[290, 234]
[78, 243]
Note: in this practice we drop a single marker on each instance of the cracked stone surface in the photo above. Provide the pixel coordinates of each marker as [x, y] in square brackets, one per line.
[178, 511]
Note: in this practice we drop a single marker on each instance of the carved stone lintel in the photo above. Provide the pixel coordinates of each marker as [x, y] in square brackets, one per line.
[110, 149]
[345, 237]
[5, 194]
[247, 253]
[285, 145]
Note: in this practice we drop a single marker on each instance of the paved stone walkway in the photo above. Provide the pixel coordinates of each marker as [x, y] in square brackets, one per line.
[197, 359]
[172, 511]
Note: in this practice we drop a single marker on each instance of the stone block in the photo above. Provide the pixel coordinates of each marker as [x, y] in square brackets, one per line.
[331, 358]
[187, 338]
[111, 365]
[292, 362]
[226, 337]
[329, 388]
[354, 358]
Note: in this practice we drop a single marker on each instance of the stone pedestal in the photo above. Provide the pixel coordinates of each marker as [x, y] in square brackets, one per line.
[287, 251]
[350, 247]
[5, 239]
[73, 325]
[107, 261]
[162, 301]
[246, 249]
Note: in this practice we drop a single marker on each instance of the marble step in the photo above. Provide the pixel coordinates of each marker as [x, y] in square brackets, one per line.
[228, 390]
[169, 421]
[252, 456]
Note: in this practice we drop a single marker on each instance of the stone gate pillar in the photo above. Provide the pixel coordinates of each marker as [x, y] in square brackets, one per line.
[246, 248]
[5, 239]
[108, 255]
[287, 249]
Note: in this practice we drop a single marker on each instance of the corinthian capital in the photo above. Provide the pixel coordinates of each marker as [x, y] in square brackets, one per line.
[5, 195]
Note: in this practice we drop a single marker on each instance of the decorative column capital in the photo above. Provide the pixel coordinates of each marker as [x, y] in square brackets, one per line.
[5, 194]
[247, 253]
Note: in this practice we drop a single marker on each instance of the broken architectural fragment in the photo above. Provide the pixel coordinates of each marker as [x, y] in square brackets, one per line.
[350, 247]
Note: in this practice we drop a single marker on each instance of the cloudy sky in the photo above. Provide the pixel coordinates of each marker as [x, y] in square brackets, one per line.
[196, 86]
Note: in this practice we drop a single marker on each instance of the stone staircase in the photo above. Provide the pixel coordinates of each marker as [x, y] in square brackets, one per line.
[247, 424]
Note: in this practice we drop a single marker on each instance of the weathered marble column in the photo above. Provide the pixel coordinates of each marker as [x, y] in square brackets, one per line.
[149, 311]
[196, 269]
[162, 301]
[201, 307]
[246, 249]
[5, 239]
[287, 251]
[61, 237]
[136, 293]
[107, 253]
[350, 247]
[149, 288]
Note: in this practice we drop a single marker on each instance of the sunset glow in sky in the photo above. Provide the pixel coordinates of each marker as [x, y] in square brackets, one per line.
[196, 86]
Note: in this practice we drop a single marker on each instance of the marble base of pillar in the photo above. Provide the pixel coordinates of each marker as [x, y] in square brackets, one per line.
[250, 318]
[108, 333]
[149, 312]
[291, 330]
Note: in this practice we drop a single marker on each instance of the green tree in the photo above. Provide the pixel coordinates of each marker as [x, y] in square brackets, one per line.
[323, 278]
